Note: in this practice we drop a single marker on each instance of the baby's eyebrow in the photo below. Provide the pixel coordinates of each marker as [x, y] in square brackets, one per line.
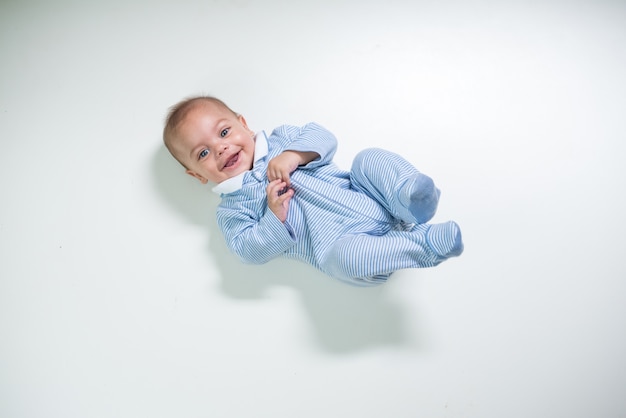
[221, 122]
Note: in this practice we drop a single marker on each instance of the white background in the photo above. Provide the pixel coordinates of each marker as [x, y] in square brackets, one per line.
[118, 297]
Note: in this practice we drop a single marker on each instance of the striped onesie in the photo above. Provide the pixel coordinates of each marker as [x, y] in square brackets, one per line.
[357, 226]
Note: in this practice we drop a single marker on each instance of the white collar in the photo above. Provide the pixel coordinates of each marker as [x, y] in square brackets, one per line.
[235, 183]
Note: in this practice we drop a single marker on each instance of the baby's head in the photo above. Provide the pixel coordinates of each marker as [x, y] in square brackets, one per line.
[211, 141]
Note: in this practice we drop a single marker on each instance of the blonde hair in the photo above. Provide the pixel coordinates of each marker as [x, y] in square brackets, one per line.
[177, 114]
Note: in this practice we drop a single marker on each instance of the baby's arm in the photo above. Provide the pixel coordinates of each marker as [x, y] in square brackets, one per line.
[254, 239]
[316, 143]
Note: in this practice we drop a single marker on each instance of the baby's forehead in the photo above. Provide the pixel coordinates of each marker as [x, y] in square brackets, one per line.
[200, 108]
[202, 118]
[205, 110]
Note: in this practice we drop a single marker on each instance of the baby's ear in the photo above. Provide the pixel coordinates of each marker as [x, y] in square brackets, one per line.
[243, 122]
[198, 176]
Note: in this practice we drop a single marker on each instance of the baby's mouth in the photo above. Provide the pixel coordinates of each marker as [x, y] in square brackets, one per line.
[232, 161]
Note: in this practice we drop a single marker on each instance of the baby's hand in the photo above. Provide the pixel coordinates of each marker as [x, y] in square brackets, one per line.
[281, 166]
[278, 197]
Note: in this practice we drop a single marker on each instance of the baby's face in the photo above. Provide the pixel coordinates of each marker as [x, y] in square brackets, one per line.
[214, 144]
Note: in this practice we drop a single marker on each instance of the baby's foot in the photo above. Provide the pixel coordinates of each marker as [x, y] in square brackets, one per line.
[424, 197]
[445, 239]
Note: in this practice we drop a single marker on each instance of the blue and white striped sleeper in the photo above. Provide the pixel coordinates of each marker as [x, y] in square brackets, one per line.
[357, 226]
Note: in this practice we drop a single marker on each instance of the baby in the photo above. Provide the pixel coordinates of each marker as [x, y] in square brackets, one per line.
[283, 196]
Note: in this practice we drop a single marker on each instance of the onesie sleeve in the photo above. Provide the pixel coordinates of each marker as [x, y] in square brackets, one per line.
[310, 137]
[254, 241]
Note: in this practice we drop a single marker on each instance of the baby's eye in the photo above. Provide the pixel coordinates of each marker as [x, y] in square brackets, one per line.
[224, 132]
[203, 153]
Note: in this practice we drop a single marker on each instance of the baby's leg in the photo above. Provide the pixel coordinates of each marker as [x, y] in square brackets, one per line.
[391, 180]
[370, 259]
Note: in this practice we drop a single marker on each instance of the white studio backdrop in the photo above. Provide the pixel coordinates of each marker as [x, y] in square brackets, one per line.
[118, 297]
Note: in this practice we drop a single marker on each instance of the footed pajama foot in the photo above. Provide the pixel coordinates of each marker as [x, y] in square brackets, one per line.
[445, 239]
[424, 197]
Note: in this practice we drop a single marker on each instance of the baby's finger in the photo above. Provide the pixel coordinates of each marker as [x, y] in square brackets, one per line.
[285, 197]
[275, 186]
[285, 176]
[278, 174]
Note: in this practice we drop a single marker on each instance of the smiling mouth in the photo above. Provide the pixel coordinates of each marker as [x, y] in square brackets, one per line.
[232, 161]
